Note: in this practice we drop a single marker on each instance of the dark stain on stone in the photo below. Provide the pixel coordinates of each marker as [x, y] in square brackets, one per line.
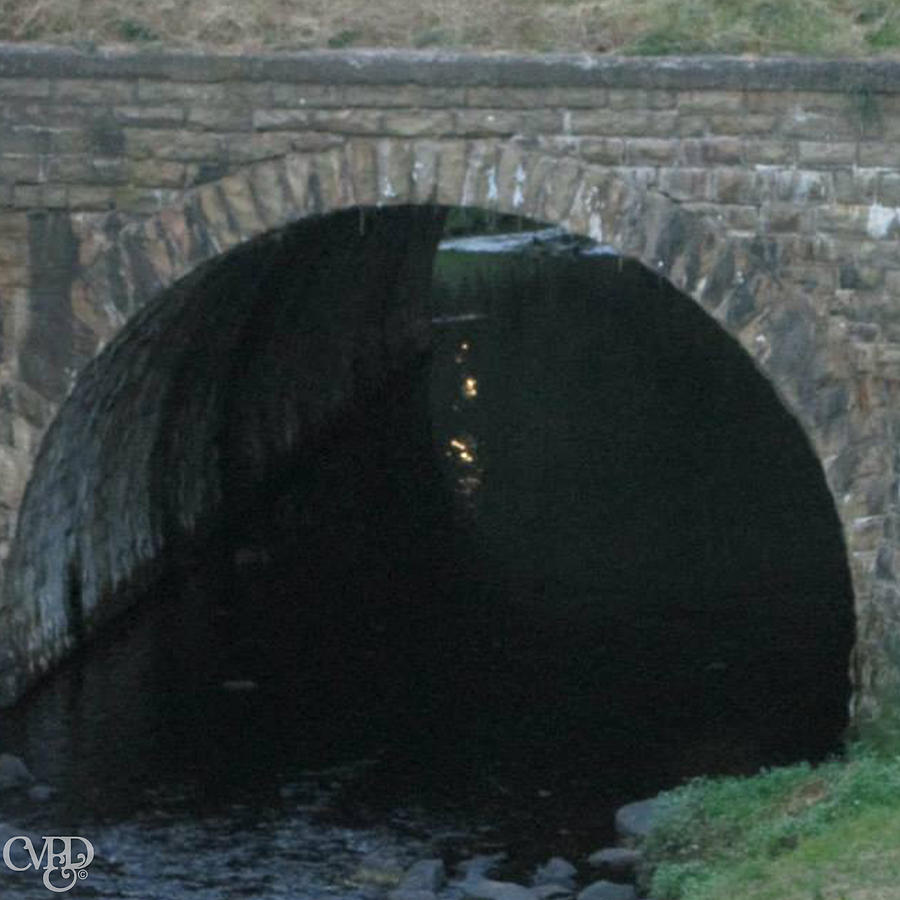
[884, 564]
[720, 279]
[46, 353]
[233, 223]
[672, 238]
[107, 137]
[765, 252]
[118, 289]
[7, 408]
[201, 247]
[210, 171]
[74, 605]
[145, 280]
[314, 192]
[741, 305]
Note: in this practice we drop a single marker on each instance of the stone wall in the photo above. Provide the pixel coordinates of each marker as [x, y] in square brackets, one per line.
[766, 190]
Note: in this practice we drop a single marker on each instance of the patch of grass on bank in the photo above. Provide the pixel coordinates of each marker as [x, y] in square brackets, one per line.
[762, 27]
[797, 833]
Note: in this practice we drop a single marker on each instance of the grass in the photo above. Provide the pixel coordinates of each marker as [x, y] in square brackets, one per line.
[650, 27]
[797, 833]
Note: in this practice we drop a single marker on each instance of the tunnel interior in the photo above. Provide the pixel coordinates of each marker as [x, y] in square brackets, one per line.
[520, 527]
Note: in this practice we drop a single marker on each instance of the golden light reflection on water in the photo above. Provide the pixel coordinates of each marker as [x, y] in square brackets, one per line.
[463, 447]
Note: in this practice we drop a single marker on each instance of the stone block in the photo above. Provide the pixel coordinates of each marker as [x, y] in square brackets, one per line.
[309, 95]
[532, 97]
[734, 186]
[741, 123]
[220, 118]
[280, 119]
[711, 101]
[433, 123]
[651, 151]
[27, 88]
[603, 151]
[713, 151]
[102, 91]
[826, 153]
[348, 121]
[150, 116]
[769, 152]
[173, 144]
[411, 96]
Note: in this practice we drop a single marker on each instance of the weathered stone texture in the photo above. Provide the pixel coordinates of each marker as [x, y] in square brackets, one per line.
[767, 190]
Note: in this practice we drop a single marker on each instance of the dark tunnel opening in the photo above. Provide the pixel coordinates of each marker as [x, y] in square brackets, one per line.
[563, 551]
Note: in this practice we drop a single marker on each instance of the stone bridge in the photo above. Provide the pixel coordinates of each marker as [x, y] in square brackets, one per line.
[150, 203]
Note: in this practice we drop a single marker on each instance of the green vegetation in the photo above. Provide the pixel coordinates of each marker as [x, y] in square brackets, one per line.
[760, 27]
[797, 833]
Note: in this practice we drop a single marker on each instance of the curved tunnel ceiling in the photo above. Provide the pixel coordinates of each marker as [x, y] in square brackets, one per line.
[278, 343]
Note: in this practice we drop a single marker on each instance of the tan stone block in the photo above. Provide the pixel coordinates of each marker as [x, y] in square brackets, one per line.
[769, 152]
[513, 165]
[843, 219]
[534, 97]
[172, 223]
[310, 95]
[157, 173]
[826, 153]
[534, 191]
[779, 101]
[426, 162]
[394, 162]
[238, 196]
[92, 197]
[348, 121]
[713, 150]
[404, 95]
[784, 217]
[602, 151]
[693, 126]
[150, 116]
[685, 184]
[30, 88]
[817, 126]
[451, 172]
[558, 195]
[241, 147]
[480, 188]
[363, 171]
[173, 144]
[221, 229]
[335, 181]
[22, 168]
[651, 151]
[428, 123]
[221, 118]
[629, 98]
[734, 186]
[281, 119]
[614, 122]
[269, 187]
[742, 124]
[156, 252]
[879, 153]
[711, 101]
[102, 91]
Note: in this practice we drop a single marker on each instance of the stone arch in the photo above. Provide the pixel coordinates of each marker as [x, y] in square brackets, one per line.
[124, 264]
